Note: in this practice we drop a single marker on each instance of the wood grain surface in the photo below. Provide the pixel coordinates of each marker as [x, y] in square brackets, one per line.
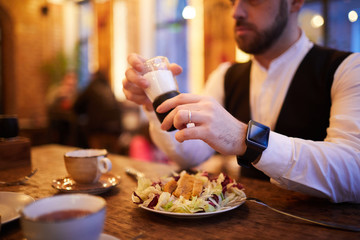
[125, 220]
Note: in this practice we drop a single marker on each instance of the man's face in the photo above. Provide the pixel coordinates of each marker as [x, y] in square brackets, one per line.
[259, 23]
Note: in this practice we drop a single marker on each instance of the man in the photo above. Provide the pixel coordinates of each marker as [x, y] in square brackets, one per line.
[306, 94]
[99, 114]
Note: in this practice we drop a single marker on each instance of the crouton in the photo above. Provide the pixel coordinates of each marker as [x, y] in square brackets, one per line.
[184, 186]
[170, 186]
[197, 187]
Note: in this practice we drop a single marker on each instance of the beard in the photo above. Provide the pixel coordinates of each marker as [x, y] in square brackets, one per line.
[263, 40]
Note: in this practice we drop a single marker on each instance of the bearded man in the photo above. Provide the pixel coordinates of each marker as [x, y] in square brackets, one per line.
[290, 114]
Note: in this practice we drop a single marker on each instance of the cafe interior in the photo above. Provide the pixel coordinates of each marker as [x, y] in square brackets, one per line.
[52, 46]
[51, 50]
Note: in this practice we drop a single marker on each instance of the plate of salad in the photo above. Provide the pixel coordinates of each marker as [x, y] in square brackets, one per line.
[187, 195]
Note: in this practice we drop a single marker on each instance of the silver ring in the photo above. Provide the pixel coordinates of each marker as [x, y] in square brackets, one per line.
[190, 124]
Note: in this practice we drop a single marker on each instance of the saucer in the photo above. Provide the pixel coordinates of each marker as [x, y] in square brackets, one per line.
[10, 205]
[68, 185]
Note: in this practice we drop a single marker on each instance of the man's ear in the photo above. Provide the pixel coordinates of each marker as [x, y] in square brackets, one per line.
[296, 5]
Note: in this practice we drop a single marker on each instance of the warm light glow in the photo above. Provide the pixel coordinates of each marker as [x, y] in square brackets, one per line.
[189, 12]
[147, 28]
[241, 56]
[55, 1]
[196, 61]
[119, 53]
[317, 21]
[73, 1]
[353, 16]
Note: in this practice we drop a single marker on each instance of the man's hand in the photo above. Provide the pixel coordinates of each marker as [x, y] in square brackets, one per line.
[213, 124]
[134, 82]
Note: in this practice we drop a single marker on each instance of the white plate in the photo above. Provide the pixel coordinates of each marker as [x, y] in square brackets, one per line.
[68, 185]
[10, 205]
[105, 236]
[236, 204]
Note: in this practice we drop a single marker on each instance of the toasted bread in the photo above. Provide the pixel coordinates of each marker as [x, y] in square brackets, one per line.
[197, 187]
[184, 186]
[170, 186]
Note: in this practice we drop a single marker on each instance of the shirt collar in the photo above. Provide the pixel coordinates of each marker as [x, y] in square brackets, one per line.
[302, 44]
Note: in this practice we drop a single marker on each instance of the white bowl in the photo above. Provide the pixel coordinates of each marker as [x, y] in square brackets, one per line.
[88, 227]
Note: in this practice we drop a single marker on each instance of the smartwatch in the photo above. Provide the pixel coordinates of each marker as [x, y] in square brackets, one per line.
[257, 138]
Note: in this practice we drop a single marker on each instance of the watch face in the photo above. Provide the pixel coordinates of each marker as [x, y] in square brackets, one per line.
[259, 133]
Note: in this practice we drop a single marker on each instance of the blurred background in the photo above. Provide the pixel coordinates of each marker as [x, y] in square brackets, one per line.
[62, 61]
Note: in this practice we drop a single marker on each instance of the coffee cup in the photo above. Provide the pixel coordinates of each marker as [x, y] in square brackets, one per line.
[70, 217]
[162, 83]
[87, 165]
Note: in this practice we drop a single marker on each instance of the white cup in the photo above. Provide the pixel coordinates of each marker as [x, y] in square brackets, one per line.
[87, 165]
[85, 227]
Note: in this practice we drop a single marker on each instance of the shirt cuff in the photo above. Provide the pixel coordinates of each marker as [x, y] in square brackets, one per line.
[275, 160]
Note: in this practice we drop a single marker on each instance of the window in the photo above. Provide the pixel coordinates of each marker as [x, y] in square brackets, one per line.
[171, 36]
[332, 23]
[85, 31]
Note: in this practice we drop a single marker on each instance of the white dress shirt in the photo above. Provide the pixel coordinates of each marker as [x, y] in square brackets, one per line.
[329, 168]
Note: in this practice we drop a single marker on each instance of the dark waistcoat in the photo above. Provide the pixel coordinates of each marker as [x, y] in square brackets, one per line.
[305, 112]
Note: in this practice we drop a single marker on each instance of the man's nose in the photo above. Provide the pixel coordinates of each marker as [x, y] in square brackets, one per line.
[239, 9]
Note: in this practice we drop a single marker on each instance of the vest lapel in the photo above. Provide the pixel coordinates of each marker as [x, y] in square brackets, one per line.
[237, 91]
[306, 109]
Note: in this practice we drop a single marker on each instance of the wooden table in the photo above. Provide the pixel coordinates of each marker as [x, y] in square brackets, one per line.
[125, 220]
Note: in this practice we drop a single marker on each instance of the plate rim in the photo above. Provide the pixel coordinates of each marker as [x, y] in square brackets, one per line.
[240, 202]
[20, 206]
[104, 236]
